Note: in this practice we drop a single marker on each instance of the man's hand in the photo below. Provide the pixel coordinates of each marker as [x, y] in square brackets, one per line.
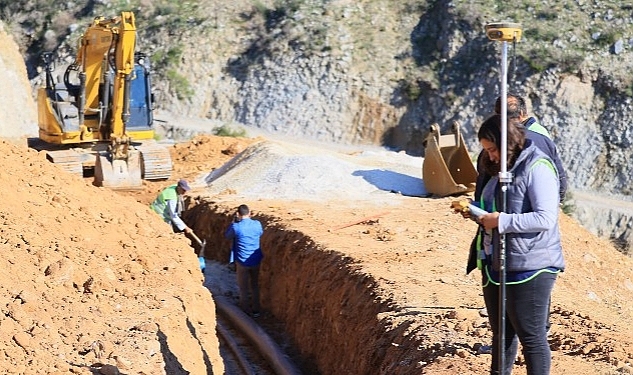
[187, 230]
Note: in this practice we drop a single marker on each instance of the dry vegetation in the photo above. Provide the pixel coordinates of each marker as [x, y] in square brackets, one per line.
[568, 34]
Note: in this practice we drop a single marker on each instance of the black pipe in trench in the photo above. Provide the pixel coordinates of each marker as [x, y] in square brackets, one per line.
[264, 343]
[242, 361]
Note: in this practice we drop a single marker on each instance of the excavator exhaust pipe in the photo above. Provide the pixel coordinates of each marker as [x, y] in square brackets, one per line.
[447, 168]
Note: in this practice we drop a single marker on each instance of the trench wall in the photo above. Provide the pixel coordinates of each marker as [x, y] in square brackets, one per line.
[331, 309]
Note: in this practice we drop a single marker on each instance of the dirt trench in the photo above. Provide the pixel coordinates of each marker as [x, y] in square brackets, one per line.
[333, 312]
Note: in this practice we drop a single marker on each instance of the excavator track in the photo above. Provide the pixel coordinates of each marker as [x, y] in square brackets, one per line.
[156, 162]
[69, 160]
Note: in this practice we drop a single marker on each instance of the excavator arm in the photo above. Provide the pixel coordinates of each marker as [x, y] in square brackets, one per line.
[106, 55]
[120, 166]
[125, 42]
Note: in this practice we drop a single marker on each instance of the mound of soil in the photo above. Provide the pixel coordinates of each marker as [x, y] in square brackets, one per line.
[290, 171]
[94, 280]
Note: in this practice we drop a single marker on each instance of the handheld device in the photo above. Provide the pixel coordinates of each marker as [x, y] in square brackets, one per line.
[467, 206]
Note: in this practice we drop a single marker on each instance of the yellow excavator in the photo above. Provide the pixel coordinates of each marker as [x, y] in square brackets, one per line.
[100, 116]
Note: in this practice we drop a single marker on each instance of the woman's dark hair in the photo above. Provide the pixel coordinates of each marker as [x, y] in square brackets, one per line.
[491, 131]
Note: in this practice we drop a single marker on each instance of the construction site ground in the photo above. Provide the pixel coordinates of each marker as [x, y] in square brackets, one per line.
[364, 286]
[383, 280]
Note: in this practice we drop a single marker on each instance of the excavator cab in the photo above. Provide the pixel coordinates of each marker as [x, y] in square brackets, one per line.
[447, 168]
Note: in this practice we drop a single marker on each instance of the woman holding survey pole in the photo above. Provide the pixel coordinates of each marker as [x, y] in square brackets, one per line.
[533, 255]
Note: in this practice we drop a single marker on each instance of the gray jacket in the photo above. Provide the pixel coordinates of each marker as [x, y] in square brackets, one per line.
[530, 220]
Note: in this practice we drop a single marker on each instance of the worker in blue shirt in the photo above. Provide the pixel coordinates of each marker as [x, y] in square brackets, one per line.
[247, 254]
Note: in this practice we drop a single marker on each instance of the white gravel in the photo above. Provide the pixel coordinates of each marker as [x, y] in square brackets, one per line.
[274, 169]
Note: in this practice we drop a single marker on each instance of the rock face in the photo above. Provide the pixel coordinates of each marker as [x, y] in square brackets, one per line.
[607, 217]
[388, 83]
[17, 108]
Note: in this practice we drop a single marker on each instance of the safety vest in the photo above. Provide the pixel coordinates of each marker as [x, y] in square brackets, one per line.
[533, 125]
[535, 159]
[160, 203]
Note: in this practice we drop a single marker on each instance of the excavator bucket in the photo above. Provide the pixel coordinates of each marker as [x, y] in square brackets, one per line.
[447, 168]
[118, 173]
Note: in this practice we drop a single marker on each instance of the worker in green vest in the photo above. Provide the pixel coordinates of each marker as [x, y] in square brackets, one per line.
[169, 205]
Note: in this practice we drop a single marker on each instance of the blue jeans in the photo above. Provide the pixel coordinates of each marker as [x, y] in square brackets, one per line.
[527, 310]
[248, 285]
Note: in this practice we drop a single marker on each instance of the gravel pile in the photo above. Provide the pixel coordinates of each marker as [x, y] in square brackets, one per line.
[283, 170]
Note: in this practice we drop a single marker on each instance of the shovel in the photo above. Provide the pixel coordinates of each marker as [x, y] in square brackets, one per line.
[203, 245]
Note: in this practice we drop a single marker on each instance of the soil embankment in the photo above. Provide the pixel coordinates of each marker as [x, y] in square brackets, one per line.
[94, 279]
[396, 307]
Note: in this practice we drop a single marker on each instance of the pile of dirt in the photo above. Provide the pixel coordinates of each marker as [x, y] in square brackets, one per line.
[93, 279]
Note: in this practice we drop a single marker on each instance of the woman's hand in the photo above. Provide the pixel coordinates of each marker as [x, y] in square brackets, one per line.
[461, 207]
[490, 220]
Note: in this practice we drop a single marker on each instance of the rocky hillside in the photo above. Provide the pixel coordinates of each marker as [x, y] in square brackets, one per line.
[18, 112]
[377, 71]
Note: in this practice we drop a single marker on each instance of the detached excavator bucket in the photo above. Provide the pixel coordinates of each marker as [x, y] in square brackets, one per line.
[118, 173]
[447, 168]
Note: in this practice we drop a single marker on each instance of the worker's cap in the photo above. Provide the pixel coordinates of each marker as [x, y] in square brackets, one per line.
[184, 185]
